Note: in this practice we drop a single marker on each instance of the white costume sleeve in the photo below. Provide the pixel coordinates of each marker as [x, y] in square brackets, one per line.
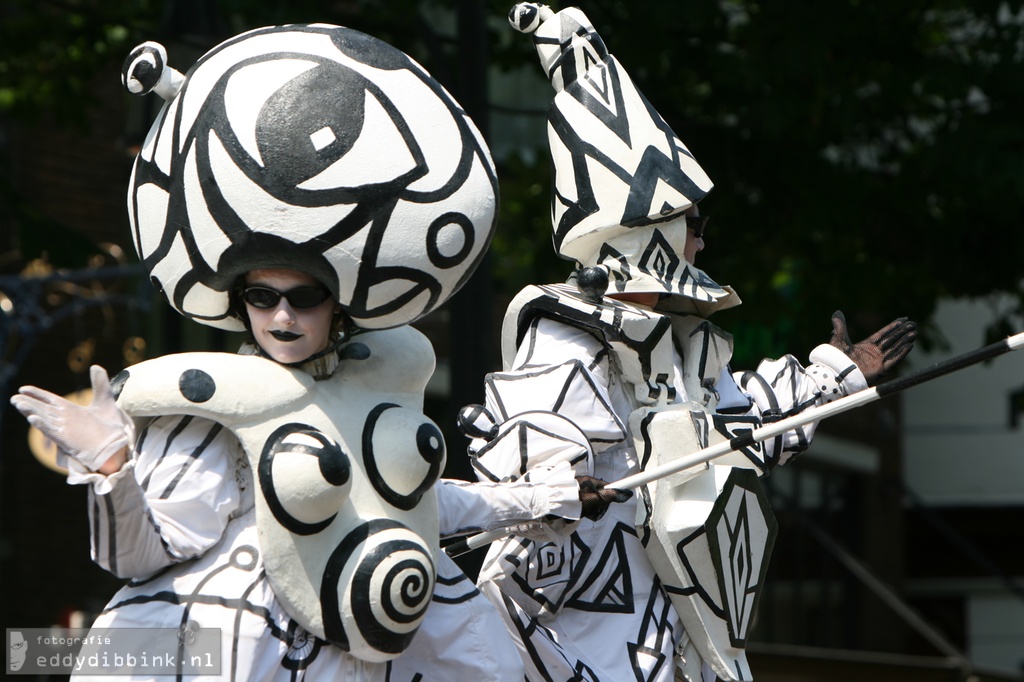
[465, 507]
[776, 389]
[171, 502]
[783, 387]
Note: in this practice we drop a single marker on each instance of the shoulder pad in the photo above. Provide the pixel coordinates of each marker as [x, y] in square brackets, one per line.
[218, 386]
[640, 339]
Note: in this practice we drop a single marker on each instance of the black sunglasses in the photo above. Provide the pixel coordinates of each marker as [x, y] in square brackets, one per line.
[299, 298]
[697, 224]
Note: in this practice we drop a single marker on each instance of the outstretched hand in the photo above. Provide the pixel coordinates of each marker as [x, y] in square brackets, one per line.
[596, 498]
[877, 354]
[97, 435]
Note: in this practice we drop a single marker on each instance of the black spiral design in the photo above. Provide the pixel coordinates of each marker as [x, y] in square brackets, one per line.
[390, 587]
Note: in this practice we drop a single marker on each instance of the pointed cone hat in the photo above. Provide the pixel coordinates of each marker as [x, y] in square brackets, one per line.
[623, 180]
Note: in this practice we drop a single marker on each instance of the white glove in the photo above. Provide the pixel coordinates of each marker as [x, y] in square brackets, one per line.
[91, 434]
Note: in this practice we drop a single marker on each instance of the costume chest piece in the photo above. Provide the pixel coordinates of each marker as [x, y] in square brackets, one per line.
[642, 341]
[343, 469]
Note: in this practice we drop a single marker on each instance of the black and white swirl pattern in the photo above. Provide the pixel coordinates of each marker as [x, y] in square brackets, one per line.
[390, 573]
[316, 148]
[142, 69]
[305, 477]
[392, 436]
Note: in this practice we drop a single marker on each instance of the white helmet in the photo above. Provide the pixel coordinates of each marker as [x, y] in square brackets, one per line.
[314, 148]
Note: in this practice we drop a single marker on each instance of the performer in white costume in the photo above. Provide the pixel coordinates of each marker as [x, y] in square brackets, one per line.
[634, 378]
[289, 495]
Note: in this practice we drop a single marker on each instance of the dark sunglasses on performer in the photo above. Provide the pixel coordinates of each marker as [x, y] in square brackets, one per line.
[697, 223]
[299, 298]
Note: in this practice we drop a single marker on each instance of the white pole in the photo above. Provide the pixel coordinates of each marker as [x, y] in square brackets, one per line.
[772, 429]
[700, 457]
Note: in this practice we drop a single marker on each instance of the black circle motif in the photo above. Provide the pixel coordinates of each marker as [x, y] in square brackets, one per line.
[430, 446]
[335, 467]
[430, 443]
[196, 385]
[434, 232]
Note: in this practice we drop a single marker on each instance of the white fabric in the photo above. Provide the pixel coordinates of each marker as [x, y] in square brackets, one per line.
[588, 605]
[462, 636]
[178, 504]
[843, 371]
[466, 507]
[548, 389]
[784, 385]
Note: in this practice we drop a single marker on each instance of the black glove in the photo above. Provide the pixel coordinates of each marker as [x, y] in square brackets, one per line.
[596, 498]
[877, 354]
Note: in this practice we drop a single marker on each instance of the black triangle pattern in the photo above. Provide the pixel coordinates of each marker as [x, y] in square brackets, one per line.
[612, 111]
[529, 578]
[647, 662]
[655, 165]
[733, 426]
[615, 595]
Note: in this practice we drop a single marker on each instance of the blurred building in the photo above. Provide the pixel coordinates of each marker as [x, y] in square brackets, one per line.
[964, 475]
[900, 550]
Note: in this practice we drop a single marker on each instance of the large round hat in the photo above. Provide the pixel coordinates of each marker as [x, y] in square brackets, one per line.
[310, 147]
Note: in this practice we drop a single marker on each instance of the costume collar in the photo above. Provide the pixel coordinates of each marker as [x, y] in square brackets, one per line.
[320, 366]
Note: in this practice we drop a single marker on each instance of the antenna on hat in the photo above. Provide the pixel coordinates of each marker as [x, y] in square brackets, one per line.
[526, 17]
[146, 70]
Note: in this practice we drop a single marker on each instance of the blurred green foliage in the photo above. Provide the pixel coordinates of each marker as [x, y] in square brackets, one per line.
[50, 53]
